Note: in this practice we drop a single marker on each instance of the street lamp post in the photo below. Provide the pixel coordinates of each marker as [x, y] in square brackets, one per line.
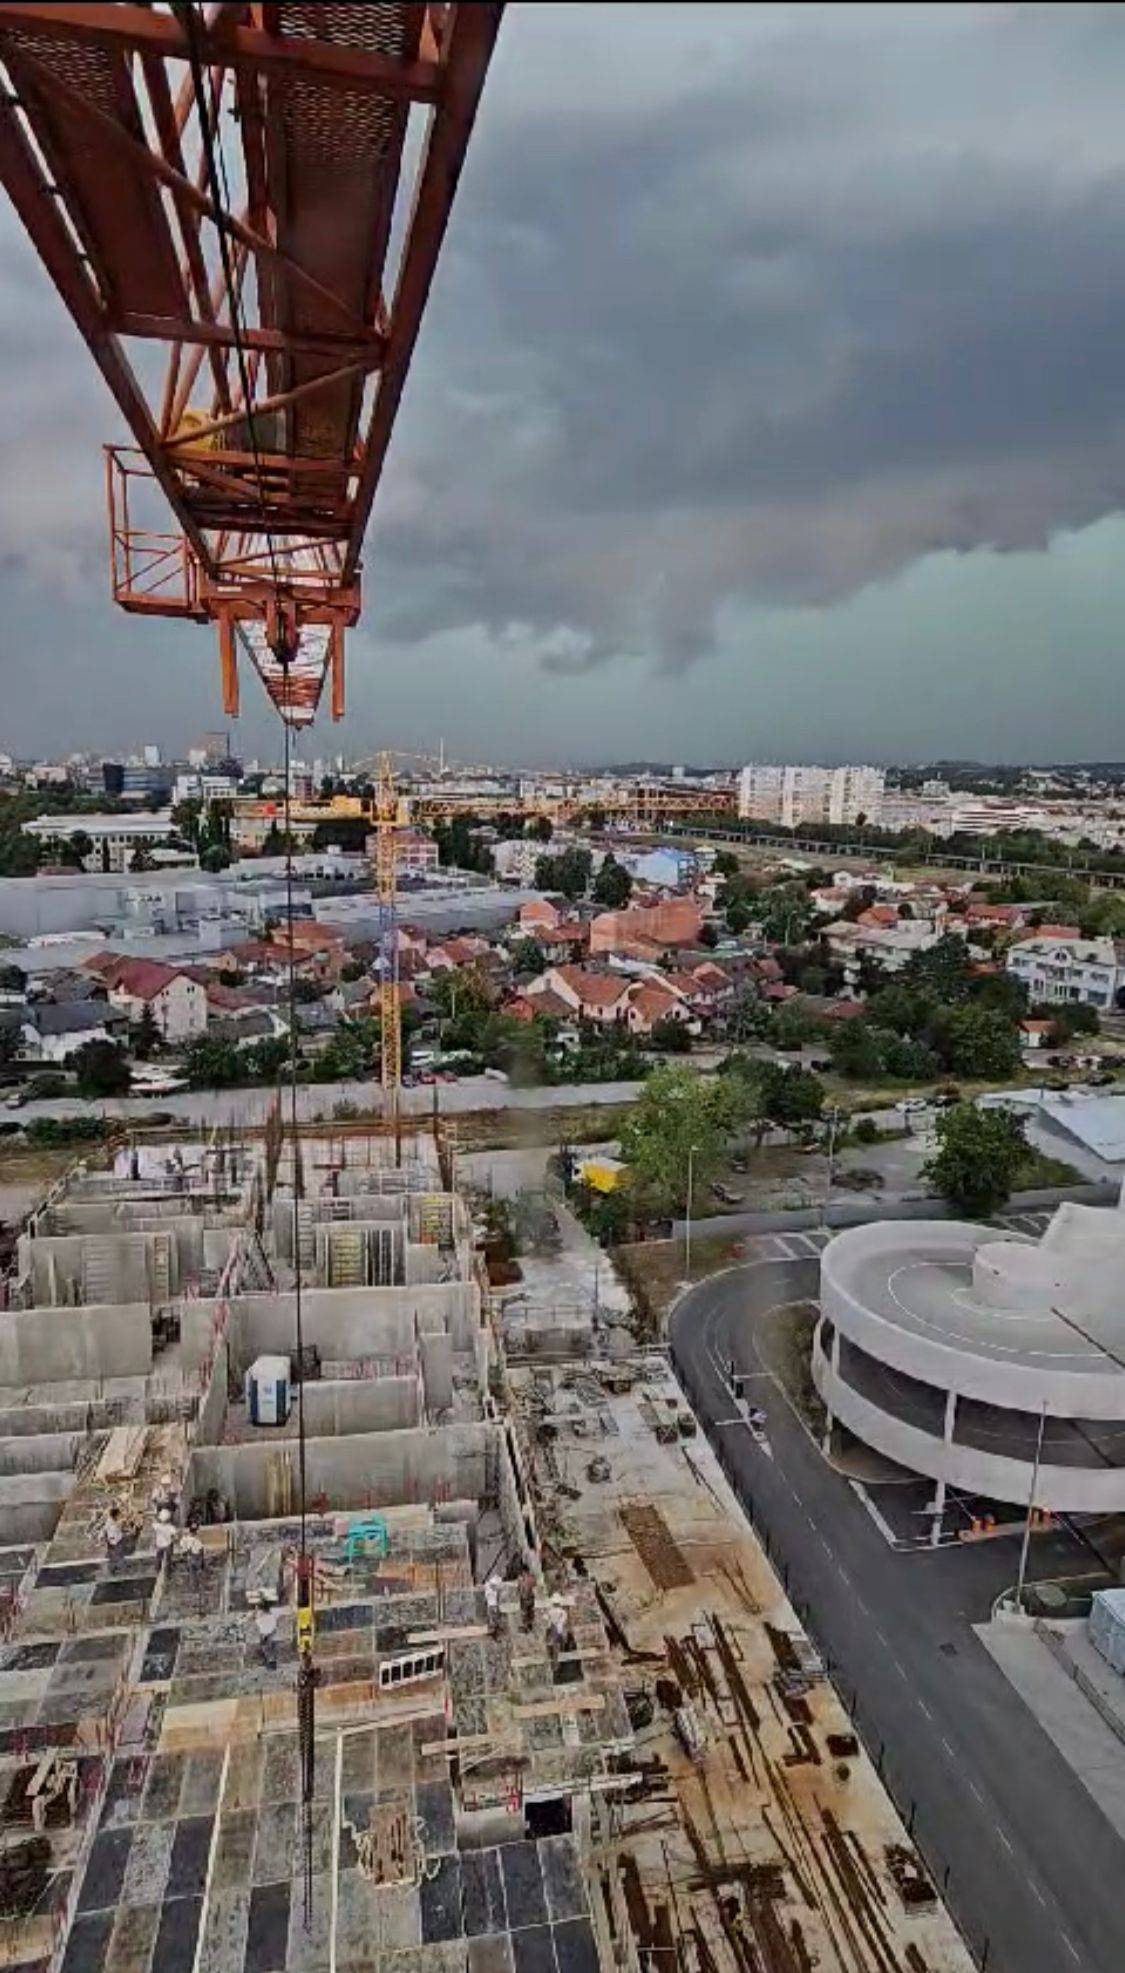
[687, 1212]
[833, 1126]
[1026, 1543]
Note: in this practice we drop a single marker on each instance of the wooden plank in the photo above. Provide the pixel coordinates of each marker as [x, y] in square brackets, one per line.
[577, 1702]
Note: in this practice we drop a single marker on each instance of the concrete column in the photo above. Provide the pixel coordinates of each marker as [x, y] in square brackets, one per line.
[936, 1523]
[437, 1371]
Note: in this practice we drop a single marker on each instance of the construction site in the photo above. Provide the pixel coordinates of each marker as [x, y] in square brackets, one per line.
[560, 1715]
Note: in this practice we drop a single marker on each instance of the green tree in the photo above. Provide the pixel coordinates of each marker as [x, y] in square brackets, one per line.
[747, 1016]
[856, 1049]
[186, 819]
[671, 1037]
[613, 886]
[569, 872]
[214, 857]
[265, 1059]
[942, 970]
[789, 1096]
[540, 829]
[595, 818]
[725, 865]
[528, 958]
[982, 1041]
[142, 858]
[146, 1035]
[784, 914]
[677, 1112]
[102, 1069]
[796, 1023]
[978, 1158]
[211, 1063]
[738, 917]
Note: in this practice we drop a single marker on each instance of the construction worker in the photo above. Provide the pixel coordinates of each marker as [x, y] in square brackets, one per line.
[526, 1592]
[165, 1494]
[492, 1608]
[558, 1625]
[113, 1535]
[265, 1624]
[164, 1537]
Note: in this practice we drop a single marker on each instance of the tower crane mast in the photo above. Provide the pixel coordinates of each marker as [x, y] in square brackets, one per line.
[390, 817]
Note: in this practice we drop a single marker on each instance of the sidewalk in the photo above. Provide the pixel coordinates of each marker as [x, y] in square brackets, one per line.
[1084, 1739]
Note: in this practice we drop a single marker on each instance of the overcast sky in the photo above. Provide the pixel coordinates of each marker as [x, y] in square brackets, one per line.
[771, 401]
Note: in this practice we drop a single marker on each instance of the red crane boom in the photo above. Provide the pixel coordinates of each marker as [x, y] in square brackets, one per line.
[230, 182]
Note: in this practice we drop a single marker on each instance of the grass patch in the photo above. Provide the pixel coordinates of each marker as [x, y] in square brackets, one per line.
[1038, 1171]
[653, 1271]
[513, 1130]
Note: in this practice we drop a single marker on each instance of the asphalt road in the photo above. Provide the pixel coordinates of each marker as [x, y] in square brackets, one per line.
[1034, 1867]
[315, 1100]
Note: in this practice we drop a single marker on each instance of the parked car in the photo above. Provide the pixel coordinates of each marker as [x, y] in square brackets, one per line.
[727, 1197]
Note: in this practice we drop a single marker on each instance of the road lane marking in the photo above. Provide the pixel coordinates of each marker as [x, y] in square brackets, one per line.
[925, 1709]
[1037, 1893]
[948, 1748]
[1006, 1840]
[1071, 1947]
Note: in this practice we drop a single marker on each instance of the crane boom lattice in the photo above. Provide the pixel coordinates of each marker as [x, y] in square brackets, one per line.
[230, 183]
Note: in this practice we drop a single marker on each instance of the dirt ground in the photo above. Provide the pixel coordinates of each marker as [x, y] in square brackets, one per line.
[654, 1270]
[514, 1130]
[26, 1171]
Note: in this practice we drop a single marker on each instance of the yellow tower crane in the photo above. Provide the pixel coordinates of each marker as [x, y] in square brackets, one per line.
[390, 816]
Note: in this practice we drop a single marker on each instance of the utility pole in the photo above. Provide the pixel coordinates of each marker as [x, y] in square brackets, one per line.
[687, 1213]
[833, 1126]
[1031, 1505]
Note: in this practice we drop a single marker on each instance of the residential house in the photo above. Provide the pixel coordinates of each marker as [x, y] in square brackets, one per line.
[177, 1001]
[648, 1002]
[597, 997]
[538, 916]
[53, 1031]
[671, 924]
[1036, 1034]
[452, 954]
[1073, 971]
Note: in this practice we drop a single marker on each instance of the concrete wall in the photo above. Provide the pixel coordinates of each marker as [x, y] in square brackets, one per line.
[56, 1345]
[30, 1505]
[213, 1410]
[49, 1452]
[344, 1323]
[373, 1404]
[1062, 1489]
[378, 1469]
[123, 1260]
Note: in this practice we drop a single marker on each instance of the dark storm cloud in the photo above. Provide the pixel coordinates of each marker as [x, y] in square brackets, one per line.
[770, 338]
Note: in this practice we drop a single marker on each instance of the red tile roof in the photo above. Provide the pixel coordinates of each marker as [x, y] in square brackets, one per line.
[142, 979]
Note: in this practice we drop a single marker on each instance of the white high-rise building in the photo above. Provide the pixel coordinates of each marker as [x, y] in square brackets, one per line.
[794, 794]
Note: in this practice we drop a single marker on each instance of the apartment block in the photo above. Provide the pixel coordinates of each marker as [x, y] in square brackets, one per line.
[792, 794]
